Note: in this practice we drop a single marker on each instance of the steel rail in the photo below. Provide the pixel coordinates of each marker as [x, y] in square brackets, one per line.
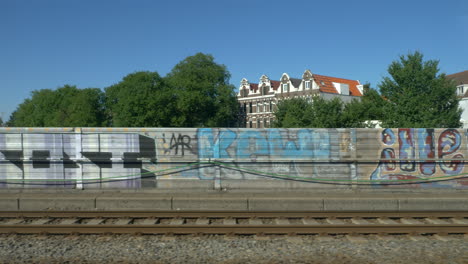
[120, 222]
[238, 214]
[239, 230]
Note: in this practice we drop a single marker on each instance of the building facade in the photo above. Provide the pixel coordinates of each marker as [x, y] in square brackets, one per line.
[258, 100]
[461, 80]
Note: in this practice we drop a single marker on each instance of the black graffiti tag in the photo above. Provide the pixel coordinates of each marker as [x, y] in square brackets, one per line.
[182, 142]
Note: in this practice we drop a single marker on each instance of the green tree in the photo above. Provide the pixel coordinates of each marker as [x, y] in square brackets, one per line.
[66, 106]
[141, 99]
[358, 113]
[1, 122]
[292, 113]
[202, 94]
[326, 113]
[418, 96]
[298, 112]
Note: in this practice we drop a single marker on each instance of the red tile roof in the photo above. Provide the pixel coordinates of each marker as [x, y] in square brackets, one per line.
[459, 77]
[325, 84]
[254, 86]
[275, 84]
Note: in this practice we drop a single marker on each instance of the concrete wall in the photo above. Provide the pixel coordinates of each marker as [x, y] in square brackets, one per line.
[232, 158]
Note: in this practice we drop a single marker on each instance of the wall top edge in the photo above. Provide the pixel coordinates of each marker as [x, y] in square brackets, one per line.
[171, 129]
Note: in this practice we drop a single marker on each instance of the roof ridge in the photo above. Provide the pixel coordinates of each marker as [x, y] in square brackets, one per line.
[457, 73]
[334, 77]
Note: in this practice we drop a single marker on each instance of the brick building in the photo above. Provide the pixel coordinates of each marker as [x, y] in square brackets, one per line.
[258, 100]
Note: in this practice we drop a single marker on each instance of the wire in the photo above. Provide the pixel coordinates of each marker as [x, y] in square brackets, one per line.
[419, 180]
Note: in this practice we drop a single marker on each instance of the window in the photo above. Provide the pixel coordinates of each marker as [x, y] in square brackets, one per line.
[258, 123]
[250, 107]
[285, 87]
[307, 84]
[461, 90]
[271, 107]
[245, 92]
[250, 124]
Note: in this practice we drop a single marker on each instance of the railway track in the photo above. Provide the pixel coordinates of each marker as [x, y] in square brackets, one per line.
[237, 223]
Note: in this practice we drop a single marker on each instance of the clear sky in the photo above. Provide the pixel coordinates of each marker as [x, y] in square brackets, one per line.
[46, 44]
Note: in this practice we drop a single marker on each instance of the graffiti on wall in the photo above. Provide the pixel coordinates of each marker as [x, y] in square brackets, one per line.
[178, 144]
[251, 144]
[419, 153]
[134, 160]
[65, 159]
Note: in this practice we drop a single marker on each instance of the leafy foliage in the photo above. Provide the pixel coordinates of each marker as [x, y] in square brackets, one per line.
[196, 93]
[414, 95]
[418, 96]
[321, 113]
[298, 112]
[202, 94]
[67, 106]
[292, 113]
[359, 113]
[139, 100]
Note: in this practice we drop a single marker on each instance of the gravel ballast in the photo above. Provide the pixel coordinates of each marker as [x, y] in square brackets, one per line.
[236, 249]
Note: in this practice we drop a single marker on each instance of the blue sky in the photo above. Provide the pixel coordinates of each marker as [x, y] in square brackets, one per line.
[46, 44]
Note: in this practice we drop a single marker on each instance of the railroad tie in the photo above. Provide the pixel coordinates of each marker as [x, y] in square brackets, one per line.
[40, 221]
[176, 221]
[229, 221]
[68, 221]
[387, 221]
[13, 221]
[459, 220]
[359, 221]
[202, 221]
[123, 221]
[436, 221]
[410, 221]
[310, 221]
[334, 221]
[255, 221]
[148, 221]
[282, 221]
[95, 221]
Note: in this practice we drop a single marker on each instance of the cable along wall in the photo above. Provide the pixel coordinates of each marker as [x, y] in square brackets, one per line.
[230, 158]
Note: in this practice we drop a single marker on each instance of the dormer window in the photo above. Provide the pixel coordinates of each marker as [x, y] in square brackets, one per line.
[285, 87]
[461, 90]
[307, 84]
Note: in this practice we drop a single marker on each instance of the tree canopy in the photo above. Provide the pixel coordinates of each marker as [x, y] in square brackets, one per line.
[139, 100]
[414, 95]
[359, 113]
[418, 96]
[321, 113]
[196, 93]
[66, 106]
[202, 94]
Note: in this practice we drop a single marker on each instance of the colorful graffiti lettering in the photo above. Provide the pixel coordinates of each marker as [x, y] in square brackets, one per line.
[251, 144]
[449, 158]
[146, 157]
